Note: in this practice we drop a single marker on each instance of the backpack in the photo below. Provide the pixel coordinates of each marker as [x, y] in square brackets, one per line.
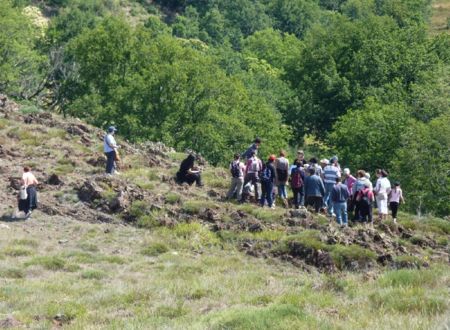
[254, 166]
[235, 169]
[296, 178]
[363, 197]
[266, 175]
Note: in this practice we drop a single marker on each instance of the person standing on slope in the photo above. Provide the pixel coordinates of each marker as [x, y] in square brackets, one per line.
[339, 196]
[297, 184]
[28, 195]
[252, 170]
[110, 148]
[395, 197]
[382, 190]
[314, 189]
[282, 176]
[237, 169]
[253, 148]
[268, 176]
[330, 173]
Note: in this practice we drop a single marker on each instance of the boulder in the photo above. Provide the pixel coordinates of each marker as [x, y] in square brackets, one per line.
[54, 180]
[89, 191]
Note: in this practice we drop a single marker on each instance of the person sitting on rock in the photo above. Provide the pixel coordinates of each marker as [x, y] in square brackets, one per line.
[189, 173]
[28, 201]
[110, 148]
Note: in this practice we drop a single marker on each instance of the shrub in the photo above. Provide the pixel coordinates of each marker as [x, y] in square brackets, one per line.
[172, 198]
[309, 239]
[12, 273]
[440, 226]
[50, 263]
[17, 251]
[93, 274]
[155, 249]
[343, 256]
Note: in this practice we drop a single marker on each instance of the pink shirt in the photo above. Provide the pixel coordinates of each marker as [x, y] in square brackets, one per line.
[350, 181]
[395, 195]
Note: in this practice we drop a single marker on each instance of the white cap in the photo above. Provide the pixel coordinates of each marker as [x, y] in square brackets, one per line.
[367, 175]
[346, 171]
[325, 161]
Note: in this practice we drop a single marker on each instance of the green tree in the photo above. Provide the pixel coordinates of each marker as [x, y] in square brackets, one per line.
[422, 166]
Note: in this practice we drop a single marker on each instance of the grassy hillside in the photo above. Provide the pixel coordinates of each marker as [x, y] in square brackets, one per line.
[440, 19]
[137, 251]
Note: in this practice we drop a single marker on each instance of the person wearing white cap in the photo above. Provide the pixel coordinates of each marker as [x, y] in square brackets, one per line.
[110, 148]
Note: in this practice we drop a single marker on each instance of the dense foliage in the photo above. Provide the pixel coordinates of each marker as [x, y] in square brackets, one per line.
[364, 77]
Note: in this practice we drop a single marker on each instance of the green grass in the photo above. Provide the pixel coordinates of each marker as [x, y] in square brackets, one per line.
[155, 249]
[14, 273]
[194, 207]
[93, 274]
[410, 278]
[343, 255]
[172, 198]
[48, 262]
[17, 251]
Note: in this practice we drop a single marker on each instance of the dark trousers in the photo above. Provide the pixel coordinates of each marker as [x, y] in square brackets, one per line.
[267, 193]
[190, 178]
[299, 196]
[394, 209]
[365, 211]
[110, 160]
[29, 204]
[315, 201]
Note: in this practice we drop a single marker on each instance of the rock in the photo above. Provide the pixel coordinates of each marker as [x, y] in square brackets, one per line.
[54, 180]
[299, 213]
[384, 259]
[10, 322]
[213, 193]
[14, 182]
[63, 241]
[99, 161]
[90, 191]
[119, 203]
[50, 210]
[256, 227]
[101, 217]
[77, 129]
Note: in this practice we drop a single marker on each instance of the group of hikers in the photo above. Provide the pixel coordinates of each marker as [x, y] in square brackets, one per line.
[321, 185]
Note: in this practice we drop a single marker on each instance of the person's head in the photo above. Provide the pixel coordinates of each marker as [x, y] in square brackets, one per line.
[300, 154]
[26, 169]
[112, 129]
[397, 184]
[313, 160]
[367, 175]
[311, 170]
[257, 142]
[296, 163]
[378, 173]
[334, 160]
[384, 173]
[272, 158]
[361, 174]
[346, 172]
[282, 153]
[324, 162]
[237, 156]
[252, 154]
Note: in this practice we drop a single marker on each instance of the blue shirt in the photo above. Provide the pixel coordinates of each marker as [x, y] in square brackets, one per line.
[314, 186]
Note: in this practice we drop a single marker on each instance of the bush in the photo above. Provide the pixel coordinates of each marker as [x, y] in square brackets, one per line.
[343, 256]
[172, 198]
[50, 263]
[93, 274]
[155, 249]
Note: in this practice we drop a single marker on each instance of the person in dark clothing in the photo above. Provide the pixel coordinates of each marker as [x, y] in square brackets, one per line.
[188, 173]
[253, 148]
[339, 195]
[297, 184]
[314, 189]
[267, 181]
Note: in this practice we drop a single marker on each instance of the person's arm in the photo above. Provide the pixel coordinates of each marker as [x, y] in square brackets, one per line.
[322, 187]
[401, 197]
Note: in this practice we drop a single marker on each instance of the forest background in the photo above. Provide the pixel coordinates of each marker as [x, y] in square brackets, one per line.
[367, 80]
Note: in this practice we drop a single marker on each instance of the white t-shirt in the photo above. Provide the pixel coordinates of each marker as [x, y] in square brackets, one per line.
[383, 186]
[109, 142]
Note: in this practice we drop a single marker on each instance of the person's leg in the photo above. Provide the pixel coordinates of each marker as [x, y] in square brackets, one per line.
[301, 196]
[357, 212]
[328, 201]
[109, 162]
[317, 203]
[296, 192]
[269, 188]
[338, 212]
[239, 185]
[370, 213]
[232, 189]
[344, 213]
[198, 180]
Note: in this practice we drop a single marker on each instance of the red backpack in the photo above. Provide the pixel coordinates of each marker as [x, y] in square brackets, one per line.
[296, 178]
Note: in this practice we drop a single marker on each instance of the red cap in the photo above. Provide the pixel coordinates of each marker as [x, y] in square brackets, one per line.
[272, 157]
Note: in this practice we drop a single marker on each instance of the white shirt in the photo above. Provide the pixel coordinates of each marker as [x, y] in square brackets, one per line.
[383, 186]
[109, 143]
[29, 179]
